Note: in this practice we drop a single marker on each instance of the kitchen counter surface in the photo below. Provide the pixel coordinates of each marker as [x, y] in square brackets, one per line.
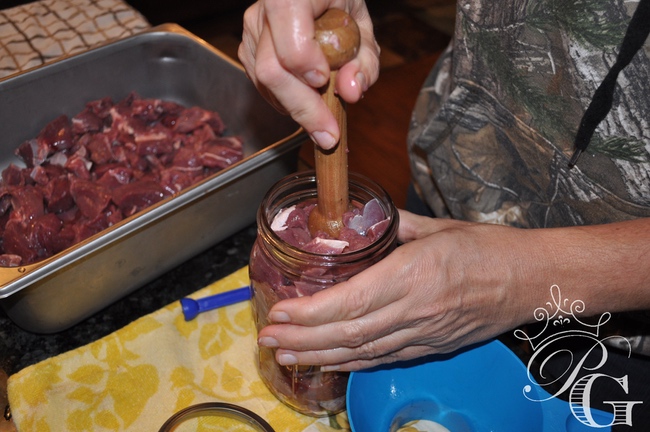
[19, 348]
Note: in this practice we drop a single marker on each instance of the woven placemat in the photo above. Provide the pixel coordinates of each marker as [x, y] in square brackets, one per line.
[42, 31]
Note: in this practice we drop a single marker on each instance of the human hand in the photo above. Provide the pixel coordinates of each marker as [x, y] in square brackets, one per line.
[449, 285]
[286, 64]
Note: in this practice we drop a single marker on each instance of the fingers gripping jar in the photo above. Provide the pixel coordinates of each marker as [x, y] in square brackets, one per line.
[280, 270]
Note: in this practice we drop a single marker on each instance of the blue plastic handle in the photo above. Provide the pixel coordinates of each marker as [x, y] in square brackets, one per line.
[191, 308]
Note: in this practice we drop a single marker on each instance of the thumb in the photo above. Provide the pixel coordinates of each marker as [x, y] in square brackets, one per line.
[414, 227]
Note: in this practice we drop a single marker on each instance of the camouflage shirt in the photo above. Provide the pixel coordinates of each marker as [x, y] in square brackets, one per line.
[494, 125]
[493, 128]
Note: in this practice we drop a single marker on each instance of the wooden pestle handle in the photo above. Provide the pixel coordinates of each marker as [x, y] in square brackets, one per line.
[338, 35]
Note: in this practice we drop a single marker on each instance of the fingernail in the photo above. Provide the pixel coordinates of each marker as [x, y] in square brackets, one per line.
[287, 359]
[279, 317]
[268, 342]
[362, 83]
[330, 368]
[315, 78]
[323, 139]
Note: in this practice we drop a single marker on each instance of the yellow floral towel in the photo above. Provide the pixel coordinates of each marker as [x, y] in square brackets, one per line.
[137, 377]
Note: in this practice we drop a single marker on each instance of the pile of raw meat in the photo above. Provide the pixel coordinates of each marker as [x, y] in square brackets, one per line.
[361, 227]
[110, 161]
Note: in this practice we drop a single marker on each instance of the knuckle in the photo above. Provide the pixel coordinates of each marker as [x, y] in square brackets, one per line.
[301, 113]
[367, 351]
[243, 54]
[250, 16]
[268, 74]
[297, 57]
[353, 335]
[356, 303]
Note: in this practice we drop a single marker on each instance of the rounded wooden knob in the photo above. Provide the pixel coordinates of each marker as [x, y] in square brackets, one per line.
[338, 36]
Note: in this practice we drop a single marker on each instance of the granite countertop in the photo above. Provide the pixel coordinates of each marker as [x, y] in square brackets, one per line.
[20, 348]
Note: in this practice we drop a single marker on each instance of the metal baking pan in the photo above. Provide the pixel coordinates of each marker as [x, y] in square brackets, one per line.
[165, 62]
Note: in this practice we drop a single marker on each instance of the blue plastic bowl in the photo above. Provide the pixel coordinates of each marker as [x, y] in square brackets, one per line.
[474, 390]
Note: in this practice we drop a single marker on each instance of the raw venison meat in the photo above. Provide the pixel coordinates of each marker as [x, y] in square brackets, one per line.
[306, 388]
[84, 174]
[362, 225]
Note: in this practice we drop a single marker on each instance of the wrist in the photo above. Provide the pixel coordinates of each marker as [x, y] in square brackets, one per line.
[601, 265]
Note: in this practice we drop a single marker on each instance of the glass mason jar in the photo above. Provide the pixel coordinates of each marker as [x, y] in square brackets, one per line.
[279, 270]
